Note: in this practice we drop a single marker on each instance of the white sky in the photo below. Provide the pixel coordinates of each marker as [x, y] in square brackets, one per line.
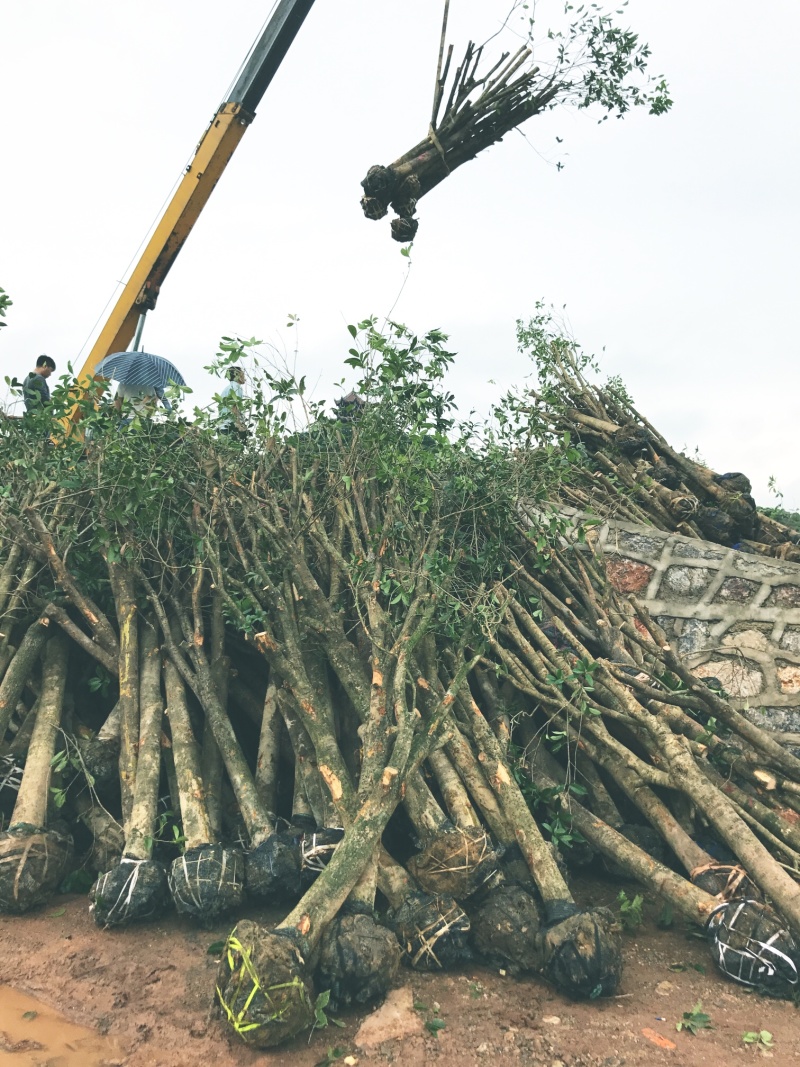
[673, 241]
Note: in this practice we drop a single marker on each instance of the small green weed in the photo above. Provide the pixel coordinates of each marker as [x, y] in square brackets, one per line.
[321, 1018]
[333, 1054]
[761, 1039]
[630, 911]
[695, 1020]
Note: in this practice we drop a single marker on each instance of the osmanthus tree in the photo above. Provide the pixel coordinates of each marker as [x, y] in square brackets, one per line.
[377, 673]
[573, 56]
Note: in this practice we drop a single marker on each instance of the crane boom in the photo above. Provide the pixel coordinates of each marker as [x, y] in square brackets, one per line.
[195, 187]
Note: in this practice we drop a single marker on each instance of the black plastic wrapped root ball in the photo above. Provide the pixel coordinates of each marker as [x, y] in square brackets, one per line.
[263, 989]
[316, 852]
[101, 759]
[130, 892]
[358, 960]
[716, 525]
[751, 944]
[433, 932]
[455, 863]
[405, 208]
[507, 930]
[272, 869]
[632, 440]
[381, 182]
[728, 881]
[409, 187]
[374, 208]
[207, 881]
[404, 229]
[33, 863]
[583, 954]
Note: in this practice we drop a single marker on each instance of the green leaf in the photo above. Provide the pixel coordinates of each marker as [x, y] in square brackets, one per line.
[215, 948]
[30, 1015]
[435, 1025]
[57, 913]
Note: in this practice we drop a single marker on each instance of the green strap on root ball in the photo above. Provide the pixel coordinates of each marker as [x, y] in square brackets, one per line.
[262, 987]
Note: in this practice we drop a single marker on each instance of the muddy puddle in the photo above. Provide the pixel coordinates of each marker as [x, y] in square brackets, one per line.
[33, 1035]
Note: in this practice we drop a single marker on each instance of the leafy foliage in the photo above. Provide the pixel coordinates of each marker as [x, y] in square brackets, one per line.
[5, 304]
[695, 1020]
[630, 911]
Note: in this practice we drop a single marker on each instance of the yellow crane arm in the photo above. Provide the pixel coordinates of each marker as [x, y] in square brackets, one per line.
[142, 288]
[210, 159]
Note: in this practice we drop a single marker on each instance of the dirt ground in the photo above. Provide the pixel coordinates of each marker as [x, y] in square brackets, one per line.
[149, 990]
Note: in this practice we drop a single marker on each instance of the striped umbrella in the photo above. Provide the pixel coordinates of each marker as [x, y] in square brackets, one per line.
[140, 368]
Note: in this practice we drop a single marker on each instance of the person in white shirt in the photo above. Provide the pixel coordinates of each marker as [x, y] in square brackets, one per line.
[142, 400]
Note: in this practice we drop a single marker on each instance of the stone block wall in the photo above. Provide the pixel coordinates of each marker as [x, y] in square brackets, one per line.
[730, 615]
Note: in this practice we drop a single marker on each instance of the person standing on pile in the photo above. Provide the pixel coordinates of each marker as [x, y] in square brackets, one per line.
[231, 420]
[141, 400]
[35, 390]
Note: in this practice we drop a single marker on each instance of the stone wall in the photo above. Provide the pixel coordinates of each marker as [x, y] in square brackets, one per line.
[731, 615]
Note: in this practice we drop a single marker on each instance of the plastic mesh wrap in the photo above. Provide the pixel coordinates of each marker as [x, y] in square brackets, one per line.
[751, 945]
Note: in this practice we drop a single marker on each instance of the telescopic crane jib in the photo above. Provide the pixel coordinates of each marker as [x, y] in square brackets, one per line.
[215, 149]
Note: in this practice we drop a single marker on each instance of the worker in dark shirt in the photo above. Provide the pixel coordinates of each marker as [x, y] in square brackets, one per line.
[35, 390]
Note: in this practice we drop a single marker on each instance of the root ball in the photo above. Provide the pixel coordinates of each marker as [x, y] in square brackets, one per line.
[130, 892]
[262, 986]
[583, 954]
[381, 182]
[455, 864]
[32, 864]
[506, 930]
[751, 944]
[358, 960]
[433, 932]
[206, 882]
[404, 229]
[728, 881]
[272, 869]
[374, 208]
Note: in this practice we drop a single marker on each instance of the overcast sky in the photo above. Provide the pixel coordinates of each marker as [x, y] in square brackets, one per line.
[672, 241]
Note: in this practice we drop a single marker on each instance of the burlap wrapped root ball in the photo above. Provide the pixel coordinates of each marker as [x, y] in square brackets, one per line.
[455, 864]
[130, 892]
[583, 954]
[507, 930]
[263, 989]
[358, 960]
[206, 882]
[33, 863]
[433, 932]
